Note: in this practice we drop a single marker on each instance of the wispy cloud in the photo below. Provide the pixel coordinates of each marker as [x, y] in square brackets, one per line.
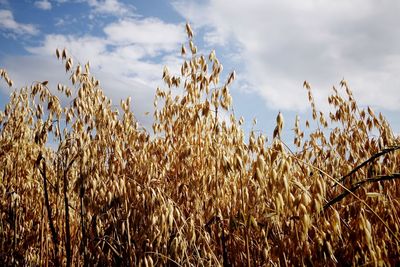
[152, 33]
[282, 43]
[8, 23]
[110, 7]
[43, 4]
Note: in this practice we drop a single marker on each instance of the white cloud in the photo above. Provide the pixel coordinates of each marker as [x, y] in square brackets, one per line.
[8, 23]
[104, 7]
[60, 22]
[82, 48]
[110, 7]
[43, 4]
[152, 33]
[283, 42]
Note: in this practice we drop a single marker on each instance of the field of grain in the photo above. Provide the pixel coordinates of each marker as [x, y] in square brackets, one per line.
[194, 192]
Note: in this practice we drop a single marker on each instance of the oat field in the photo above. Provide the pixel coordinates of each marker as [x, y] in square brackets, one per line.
[193, 191]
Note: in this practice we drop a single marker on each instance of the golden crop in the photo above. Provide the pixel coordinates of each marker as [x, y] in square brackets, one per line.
[194, 192]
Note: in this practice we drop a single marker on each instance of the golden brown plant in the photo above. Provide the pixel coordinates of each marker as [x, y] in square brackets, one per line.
[194, 192]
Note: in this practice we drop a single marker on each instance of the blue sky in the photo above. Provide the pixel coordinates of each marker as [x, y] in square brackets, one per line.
[273, 46]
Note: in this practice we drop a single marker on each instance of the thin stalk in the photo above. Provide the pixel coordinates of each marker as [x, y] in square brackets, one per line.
[246, 225]
[67, 229]
[48, 208]
[82, 214]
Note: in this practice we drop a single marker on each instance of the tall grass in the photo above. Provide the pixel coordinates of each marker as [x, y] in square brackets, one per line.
[194, 192]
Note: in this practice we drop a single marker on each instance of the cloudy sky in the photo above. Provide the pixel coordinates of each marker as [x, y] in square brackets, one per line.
[274, 45]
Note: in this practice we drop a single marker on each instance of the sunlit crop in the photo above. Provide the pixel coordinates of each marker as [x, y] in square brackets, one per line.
[193, 191]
